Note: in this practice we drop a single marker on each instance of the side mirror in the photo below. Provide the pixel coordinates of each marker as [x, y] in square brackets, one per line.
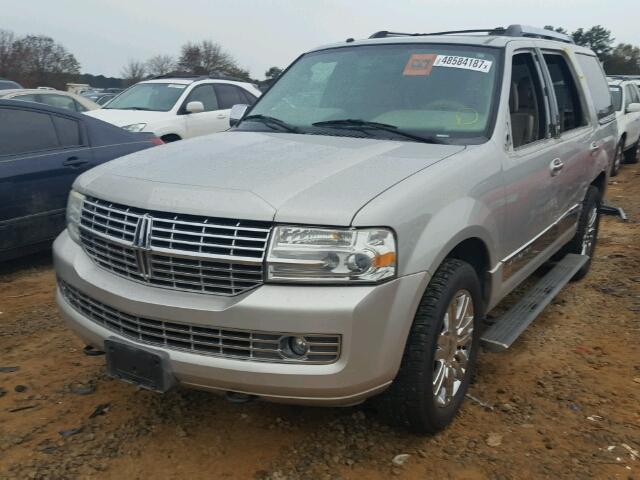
[195, 107]
[237, 112]
[633, 108]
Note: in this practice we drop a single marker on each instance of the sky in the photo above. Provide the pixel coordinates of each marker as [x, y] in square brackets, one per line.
[105, 34]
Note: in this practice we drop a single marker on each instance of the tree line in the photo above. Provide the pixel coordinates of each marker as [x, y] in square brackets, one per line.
[38, 60]
[620, 59]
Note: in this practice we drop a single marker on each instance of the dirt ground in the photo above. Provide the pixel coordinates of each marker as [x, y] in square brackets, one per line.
[564, 401]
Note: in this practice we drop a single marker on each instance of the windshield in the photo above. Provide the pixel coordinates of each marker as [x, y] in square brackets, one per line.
[157, 97]
[616, 97]
[428, 90]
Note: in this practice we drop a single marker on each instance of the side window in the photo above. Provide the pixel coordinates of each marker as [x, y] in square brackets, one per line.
[68, 131]
[597, 83]
[249, 98]
[25, 131]
[59, 101]
[26, 98]
[631, 95]
[229, 95]
[79, 106]
[205, 94]
[566, 90]
[526, 102]
[616, 97]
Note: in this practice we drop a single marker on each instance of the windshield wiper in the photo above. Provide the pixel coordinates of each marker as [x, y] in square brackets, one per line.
[271, 122]
[364, 124]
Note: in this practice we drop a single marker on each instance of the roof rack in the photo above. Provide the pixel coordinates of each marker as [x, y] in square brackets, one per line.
[194, 77]
[510, 31]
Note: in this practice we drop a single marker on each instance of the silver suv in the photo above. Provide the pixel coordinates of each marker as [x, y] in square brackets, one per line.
[349, 235]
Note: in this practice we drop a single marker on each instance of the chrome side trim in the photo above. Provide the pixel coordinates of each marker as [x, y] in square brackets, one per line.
[521, 256]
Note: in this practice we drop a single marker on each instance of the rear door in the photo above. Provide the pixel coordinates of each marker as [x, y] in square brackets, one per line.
[530, 201]
[40, 156]
[574, 134]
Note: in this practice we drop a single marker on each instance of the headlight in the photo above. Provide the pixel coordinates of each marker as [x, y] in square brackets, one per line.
[135, 127]
[74, 212]
[308, 254]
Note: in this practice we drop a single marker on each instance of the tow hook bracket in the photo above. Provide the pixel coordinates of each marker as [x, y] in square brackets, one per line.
[613, 211]
[90, 351]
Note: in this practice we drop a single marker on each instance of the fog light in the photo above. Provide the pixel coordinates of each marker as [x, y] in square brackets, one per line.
[298, 346]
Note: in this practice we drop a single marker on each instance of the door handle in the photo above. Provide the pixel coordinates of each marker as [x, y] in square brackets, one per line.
[222, 116]
[74, 162]
[555, 167]
[594, 147]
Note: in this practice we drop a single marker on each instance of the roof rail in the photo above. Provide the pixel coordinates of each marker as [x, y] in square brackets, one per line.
[385, 33]
[195, 77]
[510, 31]
[535, 32]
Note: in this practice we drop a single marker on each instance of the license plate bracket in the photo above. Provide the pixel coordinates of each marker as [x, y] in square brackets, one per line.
[140, 366]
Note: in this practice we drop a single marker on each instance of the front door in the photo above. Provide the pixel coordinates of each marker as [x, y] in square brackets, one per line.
[212, 119]
[40, 156]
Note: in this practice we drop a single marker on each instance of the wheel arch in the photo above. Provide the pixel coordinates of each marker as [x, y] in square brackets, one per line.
[475, 251]
[170, 137]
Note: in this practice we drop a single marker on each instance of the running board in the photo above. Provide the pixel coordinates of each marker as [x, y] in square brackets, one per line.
[507, 328]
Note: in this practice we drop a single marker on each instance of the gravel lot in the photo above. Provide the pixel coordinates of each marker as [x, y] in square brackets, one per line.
[563, 402]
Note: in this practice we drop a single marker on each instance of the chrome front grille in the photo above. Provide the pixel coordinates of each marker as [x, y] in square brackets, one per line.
[181, 252]
[221, 342]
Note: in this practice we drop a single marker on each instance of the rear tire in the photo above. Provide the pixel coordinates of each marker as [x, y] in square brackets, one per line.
[633, 154]
[440, 354]
[618, 158]
[586, 237]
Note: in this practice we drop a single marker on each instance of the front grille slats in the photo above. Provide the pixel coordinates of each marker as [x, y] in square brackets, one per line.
[180, 252]
[222, 342]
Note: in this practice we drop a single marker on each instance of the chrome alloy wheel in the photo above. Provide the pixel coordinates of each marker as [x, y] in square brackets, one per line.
[589, 237]
[453, 348]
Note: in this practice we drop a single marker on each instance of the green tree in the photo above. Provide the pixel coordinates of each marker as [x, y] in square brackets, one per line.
[623, 60]
[207, 58]
[36, 61]
[273, 73]
[556, 29]
[597, 38]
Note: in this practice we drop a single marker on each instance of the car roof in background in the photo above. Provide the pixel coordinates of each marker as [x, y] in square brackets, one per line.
[40, 107]
[41, 91]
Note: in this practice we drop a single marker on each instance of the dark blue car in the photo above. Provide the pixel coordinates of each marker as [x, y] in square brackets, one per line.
[42, 150]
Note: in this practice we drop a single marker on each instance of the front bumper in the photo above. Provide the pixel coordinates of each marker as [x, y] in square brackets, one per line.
[373, 321]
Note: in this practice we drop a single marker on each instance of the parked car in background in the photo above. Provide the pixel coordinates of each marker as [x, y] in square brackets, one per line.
[53, 98]
[349, 235]
[175, 108]
[104, 98]
[42, 151]
[626, 99]
[8, 84]
[100, 98]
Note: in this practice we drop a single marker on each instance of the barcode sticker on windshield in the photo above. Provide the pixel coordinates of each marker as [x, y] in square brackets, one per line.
[468, 63]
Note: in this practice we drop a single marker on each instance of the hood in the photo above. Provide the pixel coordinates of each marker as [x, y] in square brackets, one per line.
[310, 179]
[120, 118]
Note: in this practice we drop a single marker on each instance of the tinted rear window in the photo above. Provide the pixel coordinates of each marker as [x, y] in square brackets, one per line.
[68, 131]
[25, 131]
[597, 83]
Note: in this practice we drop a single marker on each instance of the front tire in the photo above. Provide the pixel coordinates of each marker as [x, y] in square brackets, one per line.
[586, 237]
[440, 353]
